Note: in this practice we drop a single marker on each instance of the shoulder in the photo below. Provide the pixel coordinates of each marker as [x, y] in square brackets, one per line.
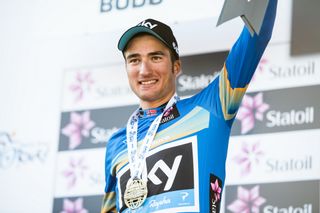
[117, 140]
[205, 94]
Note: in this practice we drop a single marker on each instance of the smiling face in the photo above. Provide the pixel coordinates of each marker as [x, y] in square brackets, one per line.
[151, 72]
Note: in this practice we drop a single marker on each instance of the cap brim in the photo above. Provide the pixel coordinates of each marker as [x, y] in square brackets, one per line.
[129, 34]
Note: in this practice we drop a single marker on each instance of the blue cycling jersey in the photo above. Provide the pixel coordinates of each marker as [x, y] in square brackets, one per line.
[185, 166]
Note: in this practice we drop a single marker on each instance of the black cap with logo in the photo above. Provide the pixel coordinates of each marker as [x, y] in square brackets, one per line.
[156, 28]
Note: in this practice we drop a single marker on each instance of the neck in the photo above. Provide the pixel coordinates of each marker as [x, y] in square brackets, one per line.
[156, 103]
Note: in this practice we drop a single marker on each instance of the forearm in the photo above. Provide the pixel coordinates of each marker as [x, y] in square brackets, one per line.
[247, 51]
[242, 62]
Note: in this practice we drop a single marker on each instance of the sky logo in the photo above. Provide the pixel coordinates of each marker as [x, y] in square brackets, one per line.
[147, 24]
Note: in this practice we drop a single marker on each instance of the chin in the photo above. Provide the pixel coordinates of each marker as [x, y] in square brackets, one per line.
[148, 98]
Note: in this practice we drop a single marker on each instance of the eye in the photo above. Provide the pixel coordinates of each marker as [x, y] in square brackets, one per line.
[156, 58]
[133, 61]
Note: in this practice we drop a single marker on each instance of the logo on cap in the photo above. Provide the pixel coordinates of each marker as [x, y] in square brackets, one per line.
[175, 47]
[147, 24]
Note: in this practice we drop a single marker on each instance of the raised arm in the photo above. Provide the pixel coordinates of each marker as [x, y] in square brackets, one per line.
[242, 62]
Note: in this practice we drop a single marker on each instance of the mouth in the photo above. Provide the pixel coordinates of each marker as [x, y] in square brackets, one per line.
[148, 82]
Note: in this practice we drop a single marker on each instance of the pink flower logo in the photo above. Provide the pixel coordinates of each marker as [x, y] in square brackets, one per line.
[251, 108]
[262, 63]
[248, 201]
[76, 170]
[73, 207]
[82, 85]
[80, 125]
[216, 190]
[248, 157]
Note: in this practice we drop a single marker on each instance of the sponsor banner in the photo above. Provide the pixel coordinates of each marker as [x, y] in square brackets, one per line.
[131, 9]
[198, 71]
[96, 87]
[112, 15]
[172, 185]
[274, 157]
[278, 70]
[79, 173]
[91, 129]
[107, 86]
[83, 204]
[278, 111]
[285, 197]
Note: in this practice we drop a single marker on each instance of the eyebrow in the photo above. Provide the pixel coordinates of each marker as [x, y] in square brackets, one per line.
[133, 55]
[156, 53]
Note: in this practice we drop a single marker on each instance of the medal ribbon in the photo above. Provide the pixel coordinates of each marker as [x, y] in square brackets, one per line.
[137, 160]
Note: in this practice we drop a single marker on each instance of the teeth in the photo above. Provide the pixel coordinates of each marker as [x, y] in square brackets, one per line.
[148, 82]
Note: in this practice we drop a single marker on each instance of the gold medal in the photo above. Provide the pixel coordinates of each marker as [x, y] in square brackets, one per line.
[135, 193]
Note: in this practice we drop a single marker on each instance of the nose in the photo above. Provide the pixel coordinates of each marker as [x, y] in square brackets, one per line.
[145, 68]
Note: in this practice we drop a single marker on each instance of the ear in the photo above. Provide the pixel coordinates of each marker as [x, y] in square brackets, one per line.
[176, 67]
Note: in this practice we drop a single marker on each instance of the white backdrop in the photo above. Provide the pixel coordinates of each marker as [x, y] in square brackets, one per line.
[40, 41]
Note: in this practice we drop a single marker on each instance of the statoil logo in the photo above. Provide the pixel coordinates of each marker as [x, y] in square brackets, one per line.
[101, 135]
[306, 208]
[291, 164]
[78, 128]
[74, 206]
[293, 70]
[187, 82]
[288, 118]
[249, 157]
[248, 200]
[258, 199]
[290, 70]
[252, 109]
[82, 85]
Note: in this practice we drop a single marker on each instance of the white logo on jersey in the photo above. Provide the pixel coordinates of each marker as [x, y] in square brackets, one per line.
[171, 173]
[147, 24]
[184, 195]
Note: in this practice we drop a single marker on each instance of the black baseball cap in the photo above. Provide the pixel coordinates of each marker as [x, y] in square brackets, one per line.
[153, 27]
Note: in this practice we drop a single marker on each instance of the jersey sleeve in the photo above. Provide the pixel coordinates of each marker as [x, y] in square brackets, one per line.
[242, 62]
[109, 203]
[109, 199]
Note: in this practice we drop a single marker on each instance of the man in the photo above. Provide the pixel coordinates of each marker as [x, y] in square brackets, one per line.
[171, 155]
